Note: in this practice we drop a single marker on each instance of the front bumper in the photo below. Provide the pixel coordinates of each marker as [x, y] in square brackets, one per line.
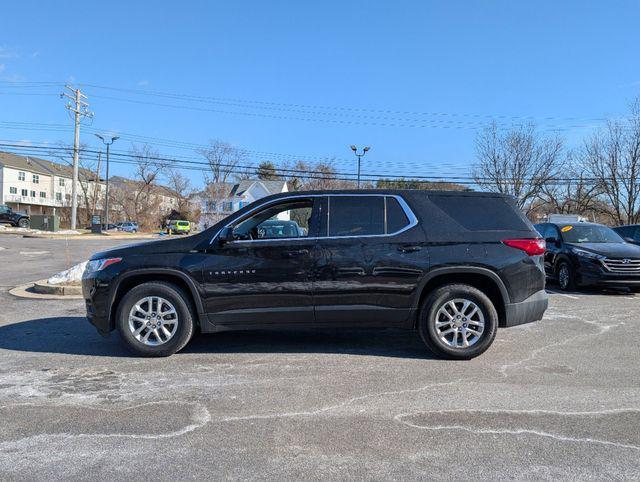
[96, 297]
[528, 310]
[592, 273]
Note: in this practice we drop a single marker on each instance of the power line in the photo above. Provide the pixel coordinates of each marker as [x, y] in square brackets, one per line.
[133, 159]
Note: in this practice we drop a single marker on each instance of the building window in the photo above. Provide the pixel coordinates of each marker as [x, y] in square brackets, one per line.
[33, 194]
[25, 193]
[61, 182]
[227, 206]
[36, 179]
[13, 190]
[67, 197]
[21, 176]
[59, 196]
[43, 194]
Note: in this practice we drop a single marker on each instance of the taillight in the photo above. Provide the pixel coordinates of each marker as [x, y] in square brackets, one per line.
[533, 247]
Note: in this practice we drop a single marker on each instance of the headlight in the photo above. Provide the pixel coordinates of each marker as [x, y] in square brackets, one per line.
[100, 264]
[587, 254]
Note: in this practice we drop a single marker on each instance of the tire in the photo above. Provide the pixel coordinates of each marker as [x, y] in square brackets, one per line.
[23, 223]
[173, 297]
[566, 278]
[446, 298]
[634, 289]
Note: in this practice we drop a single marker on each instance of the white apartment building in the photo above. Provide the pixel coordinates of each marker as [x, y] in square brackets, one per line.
[39, 186]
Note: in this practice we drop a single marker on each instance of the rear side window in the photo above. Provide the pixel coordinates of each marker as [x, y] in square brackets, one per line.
[396, 217]
[477, 213]
[356, 215]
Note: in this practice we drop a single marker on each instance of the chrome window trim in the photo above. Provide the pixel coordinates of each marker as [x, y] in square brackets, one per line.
[413, 220]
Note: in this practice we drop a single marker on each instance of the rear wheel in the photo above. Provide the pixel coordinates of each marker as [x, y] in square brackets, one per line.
[155, 319]
[566, 278]
[458, 321]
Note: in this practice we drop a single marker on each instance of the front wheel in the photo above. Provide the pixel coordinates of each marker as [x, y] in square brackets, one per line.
[565, 277]
[23, 223]
[458, 321]
[155, 319]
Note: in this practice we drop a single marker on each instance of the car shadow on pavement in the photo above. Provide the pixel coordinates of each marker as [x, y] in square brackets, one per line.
[73, 335]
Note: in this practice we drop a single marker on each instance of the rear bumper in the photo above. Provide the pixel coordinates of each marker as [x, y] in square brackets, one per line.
[531, 309]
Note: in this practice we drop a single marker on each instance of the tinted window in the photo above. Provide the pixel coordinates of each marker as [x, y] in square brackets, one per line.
[396, 217]
[356, 215]
[477, 213]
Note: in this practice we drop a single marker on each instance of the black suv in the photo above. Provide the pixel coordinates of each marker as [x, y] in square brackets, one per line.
[453, 266]
[588, 254]
[630, 233]
[9, 216]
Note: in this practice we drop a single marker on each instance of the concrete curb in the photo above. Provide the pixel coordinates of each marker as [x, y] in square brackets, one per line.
[28, 291]
[44, 288]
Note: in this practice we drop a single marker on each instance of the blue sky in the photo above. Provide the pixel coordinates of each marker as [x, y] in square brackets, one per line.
[323, 75]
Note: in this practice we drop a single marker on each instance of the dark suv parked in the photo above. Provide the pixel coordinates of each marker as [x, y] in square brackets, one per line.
[453, 266]
[630, 233]
[587, 254]
[9, 216]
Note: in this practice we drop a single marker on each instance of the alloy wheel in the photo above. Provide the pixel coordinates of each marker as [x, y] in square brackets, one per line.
[459, 323]
[153, 320]
[563, 276]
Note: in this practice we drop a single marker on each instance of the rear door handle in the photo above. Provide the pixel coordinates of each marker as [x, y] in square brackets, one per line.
[409, 249]
[295, 253]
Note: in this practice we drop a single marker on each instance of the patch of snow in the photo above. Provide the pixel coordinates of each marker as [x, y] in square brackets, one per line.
[66, 231]
[69, 276]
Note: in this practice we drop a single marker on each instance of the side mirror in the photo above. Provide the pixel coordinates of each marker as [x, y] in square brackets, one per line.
[225, 236]
[630, 240]
[551, 241]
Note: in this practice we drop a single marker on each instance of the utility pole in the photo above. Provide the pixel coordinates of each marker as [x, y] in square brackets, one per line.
[359, 156]
[106, 201]
[79, 109]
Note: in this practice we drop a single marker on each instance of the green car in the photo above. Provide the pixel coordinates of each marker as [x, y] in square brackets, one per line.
[178, 227]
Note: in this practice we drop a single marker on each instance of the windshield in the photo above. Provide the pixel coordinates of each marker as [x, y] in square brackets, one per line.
[589, 233]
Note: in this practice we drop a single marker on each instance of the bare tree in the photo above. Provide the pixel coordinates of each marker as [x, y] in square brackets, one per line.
[223, 159]
[518, 162]
[141, 199]
[181, 186]
[573, 193]
[321, 175]
[612, 158]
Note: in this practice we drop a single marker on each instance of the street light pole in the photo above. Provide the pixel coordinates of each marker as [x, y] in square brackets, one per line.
[106, 201]
[359, 156]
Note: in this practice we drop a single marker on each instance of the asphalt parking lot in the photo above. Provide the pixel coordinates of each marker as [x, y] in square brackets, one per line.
[557, 399]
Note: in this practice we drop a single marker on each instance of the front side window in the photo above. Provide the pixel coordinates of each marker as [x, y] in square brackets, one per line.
[289, 219]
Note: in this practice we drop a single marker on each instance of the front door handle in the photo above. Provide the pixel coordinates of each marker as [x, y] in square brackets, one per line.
[295, 253]
[409, 249]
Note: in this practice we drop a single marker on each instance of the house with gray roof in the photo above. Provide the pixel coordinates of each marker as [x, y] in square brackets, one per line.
[219, 200]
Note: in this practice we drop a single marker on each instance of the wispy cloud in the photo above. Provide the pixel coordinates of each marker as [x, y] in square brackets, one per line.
[8, 52]
[143, 83]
